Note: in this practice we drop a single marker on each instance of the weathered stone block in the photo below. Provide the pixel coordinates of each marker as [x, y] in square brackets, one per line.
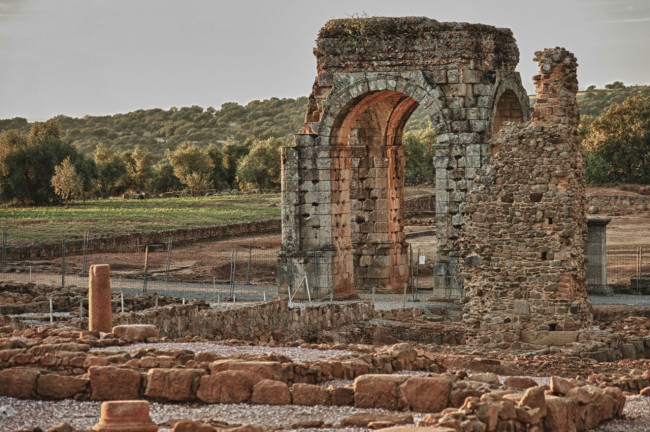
[113, 383]
[173, 384]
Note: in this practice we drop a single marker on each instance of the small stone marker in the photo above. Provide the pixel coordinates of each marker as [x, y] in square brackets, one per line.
[125, 416]
[99, 298]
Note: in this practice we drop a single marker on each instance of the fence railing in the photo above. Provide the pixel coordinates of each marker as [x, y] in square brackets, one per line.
[628, 268]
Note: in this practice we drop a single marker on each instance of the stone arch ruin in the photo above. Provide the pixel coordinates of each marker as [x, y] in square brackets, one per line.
[343, 181]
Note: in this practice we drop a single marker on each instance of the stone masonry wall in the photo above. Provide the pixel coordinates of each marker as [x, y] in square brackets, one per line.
[619, 204]
[258, 323]
[523, 243]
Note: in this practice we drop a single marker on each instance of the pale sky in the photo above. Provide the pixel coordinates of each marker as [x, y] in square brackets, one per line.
[96, 57]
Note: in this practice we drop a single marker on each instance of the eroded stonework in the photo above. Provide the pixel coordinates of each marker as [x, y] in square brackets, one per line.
[342, 183]
[525, 228]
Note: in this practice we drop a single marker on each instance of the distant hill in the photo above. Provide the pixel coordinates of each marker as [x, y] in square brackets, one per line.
[594, 102]
[158, 129]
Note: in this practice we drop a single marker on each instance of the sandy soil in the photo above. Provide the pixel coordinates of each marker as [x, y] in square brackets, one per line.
[630, 230]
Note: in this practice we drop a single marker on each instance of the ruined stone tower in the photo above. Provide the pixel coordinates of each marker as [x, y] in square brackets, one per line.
[523, 242]
[343, 181]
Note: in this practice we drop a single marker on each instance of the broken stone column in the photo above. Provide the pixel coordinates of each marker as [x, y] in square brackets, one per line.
[596, 254]
[125, 416]
[99, 298]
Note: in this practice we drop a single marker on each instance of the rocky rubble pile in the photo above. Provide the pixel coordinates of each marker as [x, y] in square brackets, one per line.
[565, 406]
[16, 298]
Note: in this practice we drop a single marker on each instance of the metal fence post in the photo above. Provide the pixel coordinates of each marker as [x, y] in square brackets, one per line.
[307, 288]
[169, 261]
[84, 265]
[234, 273]
[248, 275]
[638, 269]
[146, 268]
[417, 272]
[63, 264]
[232, 259]
[316, 276]
[4, 249]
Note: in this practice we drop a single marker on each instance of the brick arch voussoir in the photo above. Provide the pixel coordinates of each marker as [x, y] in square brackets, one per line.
[512, 84]
[344, 98]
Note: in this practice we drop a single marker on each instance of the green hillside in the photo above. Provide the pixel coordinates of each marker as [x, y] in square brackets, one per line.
[594, 102]
[157, 130]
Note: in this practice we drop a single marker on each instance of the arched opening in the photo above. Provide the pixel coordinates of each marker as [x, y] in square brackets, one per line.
[367, 184]
[508, 108]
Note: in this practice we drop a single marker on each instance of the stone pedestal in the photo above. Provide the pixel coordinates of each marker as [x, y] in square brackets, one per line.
[99, 298]
[125, 416]
[596, 257]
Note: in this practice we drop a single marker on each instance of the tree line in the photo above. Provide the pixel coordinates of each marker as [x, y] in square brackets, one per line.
[40, 167]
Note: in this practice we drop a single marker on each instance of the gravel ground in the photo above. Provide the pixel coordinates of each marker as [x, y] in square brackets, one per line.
[621, 299]
[397, 301]
[390, 301]
[84, 415]
[295, 354]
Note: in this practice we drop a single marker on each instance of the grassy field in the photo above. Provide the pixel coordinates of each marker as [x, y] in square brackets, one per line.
[43, 224]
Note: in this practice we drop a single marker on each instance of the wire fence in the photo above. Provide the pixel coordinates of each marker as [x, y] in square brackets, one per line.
[214, 271]
[211, 271]
[628, 268]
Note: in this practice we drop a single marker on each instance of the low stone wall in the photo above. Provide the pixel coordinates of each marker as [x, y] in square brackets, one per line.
[619, 204]
[259, 322]
[416, 205]
[478, 400]
[116, 243]
[611, 314]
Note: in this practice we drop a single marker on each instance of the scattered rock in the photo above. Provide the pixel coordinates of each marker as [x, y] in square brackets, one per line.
[18, 383]
[560, 386]
[309, 394]
[271, 392]
[111, 383]
[519, 382]
[192, 426]
[54, 386]
[173, 384]
[426, 394]
[229, 386]
[364, 419]
[377, 391]
[7, 411]
[136, 332]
